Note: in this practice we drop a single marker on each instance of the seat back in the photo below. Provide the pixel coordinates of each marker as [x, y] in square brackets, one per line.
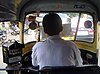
[71, 70]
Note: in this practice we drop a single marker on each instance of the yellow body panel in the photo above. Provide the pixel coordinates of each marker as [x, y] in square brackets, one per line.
[28, 48]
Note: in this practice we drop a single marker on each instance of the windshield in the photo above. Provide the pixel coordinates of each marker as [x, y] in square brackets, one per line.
[73, 27]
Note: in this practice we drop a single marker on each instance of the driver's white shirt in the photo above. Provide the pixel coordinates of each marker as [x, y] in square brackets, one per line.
[55, 51]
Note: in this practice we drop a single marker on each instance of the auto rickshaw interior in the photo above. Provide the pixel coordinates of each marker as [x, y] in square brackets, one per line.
[76, 26]
[79, 20]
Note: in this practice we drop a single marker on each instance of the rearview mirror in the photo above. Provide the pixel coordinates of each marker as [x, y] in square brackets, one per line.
[32, 25]
[88, 24]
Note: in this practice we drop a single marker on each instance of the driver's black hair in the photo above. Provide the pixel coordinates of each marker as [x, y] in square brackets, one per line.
[52, 24]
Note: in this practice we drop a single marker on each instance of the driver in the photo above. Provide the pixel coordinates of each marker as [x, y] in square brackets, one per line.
[55, 51]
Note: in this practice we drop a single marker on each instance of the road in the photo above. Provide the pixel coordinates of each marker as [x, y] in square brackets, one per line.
[2, 65]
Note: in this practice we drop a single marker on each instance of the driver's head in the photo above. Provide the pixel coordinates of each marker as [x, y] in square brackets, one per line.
[52, 24]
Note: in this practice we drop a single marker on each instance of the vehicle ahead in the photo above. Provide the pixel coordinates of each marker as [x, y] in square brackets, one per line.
[76, 15]
[3, 37]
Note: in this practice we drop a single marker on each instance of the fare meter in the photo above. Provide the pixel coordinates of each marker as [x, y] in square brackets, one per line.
[12, 52]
